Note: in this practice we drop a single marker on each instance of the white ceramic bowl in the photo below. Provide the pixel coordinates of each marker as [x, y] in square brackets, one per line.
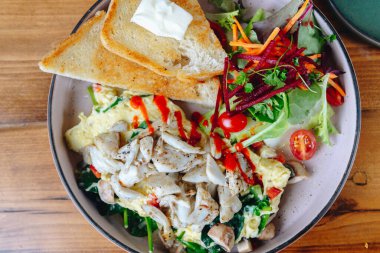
[303, 204]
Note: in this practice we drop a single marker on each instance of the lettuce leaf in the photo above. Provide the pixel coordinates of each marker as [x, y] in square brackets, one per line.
[225, 5]
[225, 20]
[302, 102]
[321, 121]
[271, 130]
[309, 36]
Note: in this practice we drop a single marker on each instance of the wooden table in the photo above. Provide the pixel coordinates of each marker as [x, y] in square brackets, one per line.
[36, 214]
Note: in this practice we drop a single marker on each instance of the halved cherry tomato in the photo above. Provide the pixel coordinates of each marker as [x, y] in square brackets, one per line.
[96, 173]
[234, 123]
[303, 144]
[333, 97]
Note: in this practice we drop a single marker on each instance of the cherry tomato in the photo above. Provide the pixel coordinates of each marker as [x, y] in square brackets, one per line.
[333, 97]
[303, 144]
[232, 124]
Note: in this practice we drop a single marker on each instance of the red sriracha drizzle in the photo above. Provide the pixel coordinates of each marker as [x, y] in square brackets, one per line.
[273, 192]
[195, 136]
[135, 121]
[231, 163]
[178, 116]
[95, 172]
[162, 105]
[153, 200]
[138, 103]
[219, 143]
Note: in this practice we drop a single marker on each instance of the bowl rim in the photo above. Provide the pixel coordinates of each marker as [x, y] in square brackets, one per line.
[279, 247]
[362, 34]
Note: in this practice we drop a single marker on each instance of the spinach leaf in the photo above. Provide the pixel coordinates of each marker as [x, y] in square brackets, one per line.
[309, 36]
[301, 103]
[237, 223]
[137, 225]
[225, 20]
[191, 247]
[87, 180]
[263, 222]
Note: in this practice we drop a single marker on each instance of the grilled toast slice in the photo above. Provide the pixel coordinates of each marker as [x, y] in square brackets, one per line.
[82, 56]
[198, 56]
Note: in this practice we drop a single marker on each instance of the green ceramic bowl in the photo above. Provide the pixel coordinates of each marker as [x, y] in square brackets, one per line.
[362, 16]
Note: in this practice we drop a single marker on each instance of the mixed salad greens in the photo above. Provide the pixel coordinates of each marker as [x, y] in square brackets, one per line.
[276, 75]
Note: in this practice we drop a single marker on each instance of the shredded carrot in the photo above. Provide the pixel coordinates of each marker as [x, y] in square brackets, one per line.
[315, 56]
[337, 87]
[271, 37]
[310, 67]
[245, 45]
[234, 35]
[294, 19]
[302, 87]
[333, 76]
[246, 39]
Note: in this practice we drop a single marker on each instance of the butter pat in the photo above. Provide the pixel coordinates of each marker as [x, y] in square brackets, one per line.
[163, 18]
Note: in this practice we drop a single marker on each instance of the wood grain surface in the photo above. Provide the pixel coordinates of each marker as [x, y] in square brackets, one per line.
[36, 214]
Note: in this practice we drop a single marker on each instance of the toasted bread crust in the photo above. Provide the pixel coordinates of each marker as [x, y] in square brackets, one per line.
[82, 56]
[165, 56]
[118, 48]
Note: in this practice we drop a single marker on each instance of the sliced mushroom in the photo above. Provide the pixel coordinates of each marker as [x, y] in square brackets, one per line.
[267, 152]
[196, 175]
[123, 192]
[244, 246]
[214, 174]
[146, 147]
[108, 143]
[299, 170]
[229, 204]
[130, 176]
[177, 143]
[103, 163]
[268, 233]
[119, 127]
[106, 192]
[129, 152]
[222, 235]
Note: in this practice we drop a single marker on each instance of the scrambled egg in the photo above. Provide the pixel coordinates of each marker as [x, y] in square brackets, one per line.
[96, 123]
